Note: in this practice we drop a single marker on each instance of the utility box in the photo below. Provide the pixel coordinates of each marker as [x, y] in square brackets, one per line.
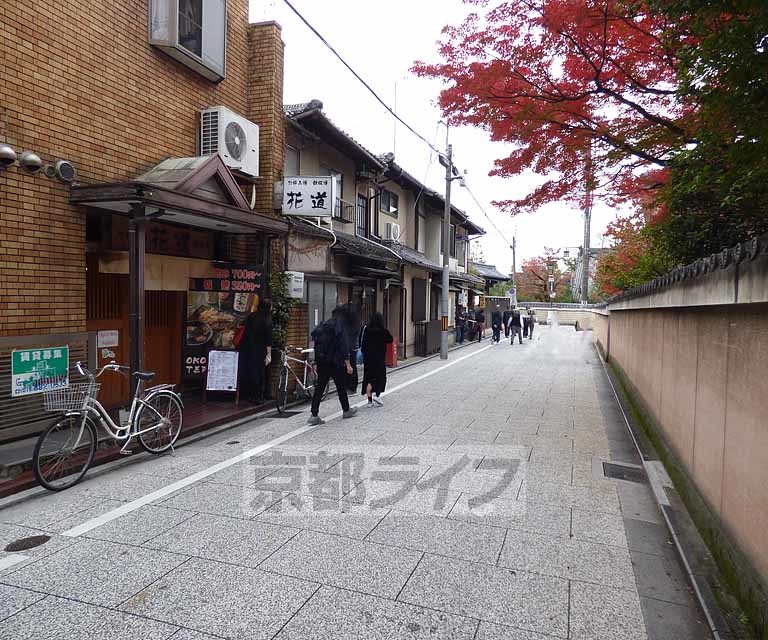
[392, 353]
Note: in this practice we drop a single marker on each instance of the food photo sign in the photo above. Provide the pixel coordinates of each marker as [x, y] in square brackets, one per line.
[216, 307]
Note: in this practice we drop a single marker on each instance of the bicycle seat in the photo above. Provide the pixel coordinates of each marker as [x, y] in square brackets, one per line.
[146, 376]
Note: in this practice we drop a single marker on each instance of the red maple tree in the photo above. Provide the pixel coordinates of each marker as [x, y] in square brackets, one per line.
[533, 280]
[579, 87]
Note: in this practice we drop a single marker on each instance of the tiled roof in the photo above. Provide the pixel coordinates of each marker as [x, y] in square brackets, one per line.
[488, 271]
[362, 247]
[411, 256]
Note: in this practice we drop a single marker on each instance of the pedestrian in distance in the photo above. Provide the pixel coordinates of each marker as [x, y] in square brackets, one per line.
[376, 337]
[515, 327]
[505, 321]
[528, 322]
[332, 344]
[461, 324]
[496, 324]
[480, 324]
[532, 316]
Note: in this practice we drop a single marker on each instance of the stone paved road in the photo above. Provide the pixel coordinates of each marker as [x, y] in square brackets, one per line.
[504, 526]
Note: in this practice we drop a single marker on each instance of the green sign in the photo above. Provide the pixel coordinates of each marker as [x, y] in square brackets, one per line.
[38, 370]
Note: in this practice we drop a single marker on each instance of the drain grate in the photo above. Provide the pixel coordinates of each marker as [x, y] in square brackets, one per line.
[624, 472]
[287, 414]
[22, 544]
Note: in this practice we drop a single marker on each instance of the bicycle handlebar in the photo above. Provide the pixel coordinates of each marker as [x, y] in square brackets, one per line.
[111, 366]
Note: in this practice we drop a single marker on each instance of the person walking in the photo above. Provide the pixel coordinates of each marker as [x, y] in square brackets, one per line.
[480, 324]
[332, 346]
[526, 323]
[532, 318]
[515, 327]
[496, 324]
[255, 353]
[461, 324]
[505, 321]
[376, 337]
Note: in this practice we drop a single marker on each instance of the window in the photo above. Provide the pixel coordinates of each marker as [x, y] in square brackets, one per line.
[419, 306]
[452, 240]
[292, 164]
[194, 32]
[361, 216]
[339, 179]
[322, 298]
[389, 203]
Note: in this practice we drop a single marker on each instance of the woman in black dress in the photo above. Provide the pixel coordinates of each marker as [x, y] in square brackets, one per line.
[376, 337]
[255, 353]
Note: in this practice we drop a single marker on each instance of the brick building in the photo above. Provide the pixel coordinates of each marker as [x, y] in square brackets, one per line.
[116, 89]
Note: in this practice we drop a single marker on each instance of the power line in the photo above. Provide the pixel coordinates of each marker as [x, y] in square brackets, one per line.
[360, 79]
[432, 147]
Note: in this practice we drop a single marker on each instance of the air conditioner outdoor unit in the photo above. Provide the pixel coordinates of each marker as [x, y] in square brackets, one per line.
[393, 231]
[233, 137]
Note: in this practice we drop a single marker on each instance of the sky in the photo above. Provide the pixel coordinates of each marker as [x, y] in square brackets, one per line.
[381, 41]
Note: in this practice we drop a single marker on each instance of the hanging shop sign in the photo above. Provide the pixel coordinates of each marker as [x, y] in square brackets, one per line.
[295, 284]
[38, 370]
[216, 307]
[310, 196]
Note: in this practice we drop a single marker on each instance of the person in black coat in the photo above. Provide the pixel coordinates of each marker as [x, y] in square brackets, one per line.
[255, 353]
[376, 337]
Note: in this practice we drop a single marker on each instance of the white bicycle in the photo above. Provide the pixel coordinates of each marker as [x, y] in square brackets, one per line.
[66, 449]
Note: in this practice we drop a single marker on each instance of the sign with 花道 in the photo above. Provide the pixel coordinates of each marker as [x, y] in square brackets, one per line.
[311, 196]
[39, 370]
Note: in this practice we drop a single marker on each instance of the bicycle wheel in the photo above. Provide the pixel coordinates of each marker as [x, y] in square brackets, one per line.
[164, 428]
[281, 395]
[64, 452]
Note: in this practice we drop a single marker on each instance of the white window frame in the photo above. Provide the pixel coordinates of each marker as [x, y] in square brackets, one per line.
[164, 34]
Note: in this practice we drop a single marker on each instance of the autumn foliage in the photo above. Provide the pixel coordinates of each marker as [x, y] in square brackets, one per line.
[533, 281]
[558, 77]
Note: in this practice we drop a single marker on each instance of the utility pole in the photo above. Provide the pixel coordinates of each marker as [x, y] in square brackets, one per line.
[587, 219]
[446, 254]
[514, 272]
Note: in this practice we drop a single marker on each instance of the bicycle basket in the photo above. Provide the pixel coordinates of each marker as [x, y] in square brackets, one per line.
[74, 398]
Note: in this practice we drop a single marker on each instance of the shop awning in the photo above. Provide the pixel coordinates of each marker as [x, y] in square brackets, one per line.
[198, 192]
[367, 249]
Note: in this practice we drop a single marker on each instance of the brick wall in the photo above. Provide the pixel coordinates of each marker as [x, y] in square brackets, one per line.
[79, 81]
[265, 106]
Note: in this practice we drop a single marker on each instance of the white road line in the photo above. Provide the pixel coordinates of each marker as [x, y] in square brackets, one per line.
[10, 560]
[129, 507]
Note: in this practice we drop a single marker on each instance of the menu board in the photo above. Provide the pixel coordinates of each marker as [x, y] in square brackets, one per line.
[222, 371]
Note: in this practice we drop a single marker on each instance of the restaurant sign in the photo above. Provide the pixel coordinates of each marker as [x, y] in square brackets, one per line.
[39, 370]
[310, 196]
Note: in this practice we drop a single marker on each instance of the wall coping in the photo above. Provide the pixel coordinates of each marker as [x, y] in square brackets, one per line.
[736, 275]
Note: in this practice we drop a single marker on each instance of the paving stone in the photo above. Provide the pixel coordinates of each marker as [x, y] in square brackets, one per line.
[602, 528]
[186, 634]
[605, 499]
[96, 572]
[599, 613]
[490, 631]
[440, 536]
[512, 514]
[362, 566]
[335, 614]
[397, 495]
[661, 577]
[10, 533]
[60, 619]
[45, 511]
[666, 620]
[493, 483]
[568, 558]
[229, 601]
[223, 500]
[137, 527]
[13, 600]
[123, 484]
[338, 517]
[241, 542]
[517, 599]
[242, 474]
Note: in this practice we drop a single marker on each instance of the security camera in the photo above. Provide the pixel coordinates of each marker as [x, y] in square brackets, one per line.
[30, 162]
[7, 155]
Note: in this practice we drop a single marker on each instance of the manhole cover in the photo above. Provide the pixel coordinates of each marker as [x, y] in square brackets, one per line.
[624, 472]
[233, 442]
[287, 414]
[22, 544]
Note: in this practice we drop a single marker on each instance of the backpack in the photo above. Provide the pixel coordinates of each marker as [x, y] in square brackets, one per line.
[324, 339]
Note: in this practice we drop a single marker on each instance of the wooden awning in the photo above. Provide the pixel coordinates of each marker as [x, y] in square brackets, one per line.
[196, 192]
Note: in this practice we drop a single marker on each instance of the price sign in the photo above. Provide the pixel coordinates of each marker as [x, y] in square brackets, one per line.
[222, 371]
